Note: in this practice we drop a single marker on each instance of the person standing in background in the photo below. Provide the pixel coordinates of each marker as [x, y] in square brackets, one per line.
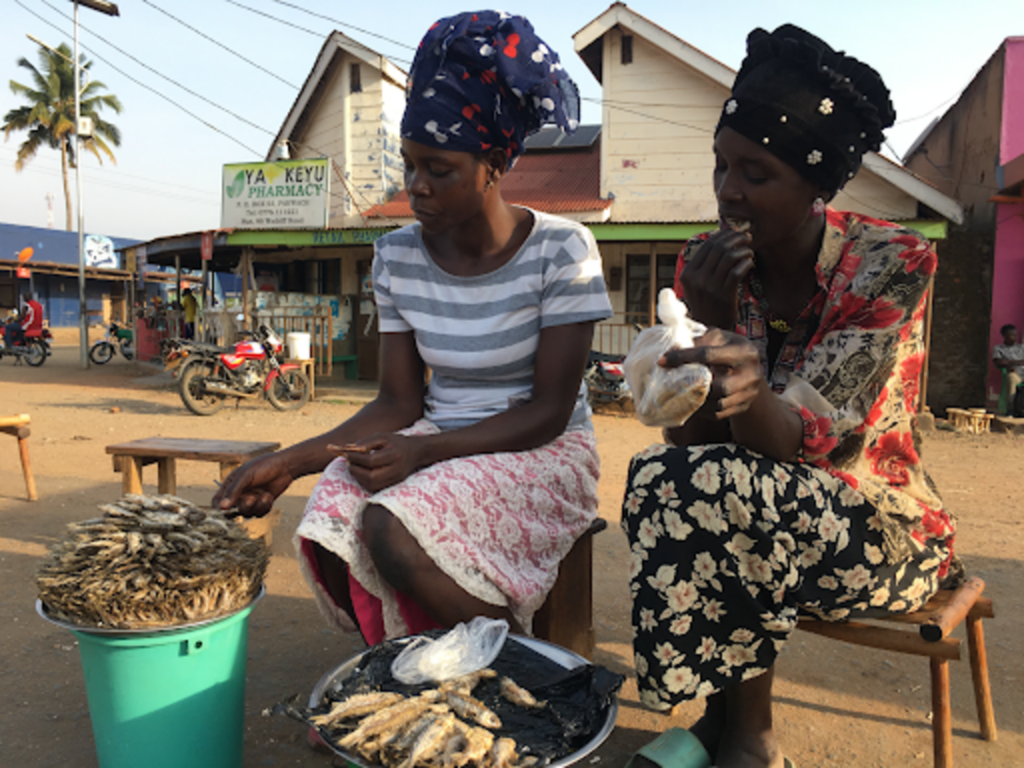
[191, 307]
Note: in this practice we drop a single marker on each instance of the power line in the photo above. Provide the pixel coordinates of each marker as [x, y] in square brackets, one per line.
[104, 170]
[179, 106]
[275, 18]
[613, 105]
[158, 73]
[168, 99]
[42, 170]
[220, 44]
[310, 31]
[345, 24]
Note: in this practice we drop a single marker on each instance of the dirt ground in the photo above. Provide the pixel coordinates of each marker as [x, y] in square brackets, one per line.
[836, 705]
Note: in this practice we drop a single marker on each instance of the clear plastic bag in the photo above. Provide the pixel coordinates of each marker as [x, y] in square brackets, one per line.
[464, 649]
[666, 397]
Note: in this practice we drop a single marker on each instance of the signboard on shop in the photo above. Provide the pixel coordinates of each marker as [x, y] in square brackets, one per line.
[288, 194]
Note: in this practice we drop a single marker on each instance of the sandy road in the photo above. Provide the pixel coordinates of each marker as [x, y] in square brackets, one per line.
[837, 705]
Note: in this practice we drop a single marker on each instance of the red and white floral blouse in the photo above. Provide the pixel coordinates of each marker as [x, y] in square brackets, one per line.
[851, 367]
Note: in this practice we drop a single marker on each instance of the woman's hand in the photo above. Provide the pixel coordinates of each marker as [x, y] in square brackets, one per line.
[711, 279]
[255, 485]
[757, 419]
[735, 367]
[383, 460]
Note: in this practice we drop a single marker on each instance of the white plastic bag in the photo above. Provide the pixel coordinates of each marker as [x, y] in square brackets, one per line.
[666, 397]
[461, 650]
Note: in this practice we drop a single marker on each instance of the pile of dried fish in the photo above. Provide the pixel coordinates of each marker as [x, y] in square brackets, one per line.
[443, 727]
[151, 562]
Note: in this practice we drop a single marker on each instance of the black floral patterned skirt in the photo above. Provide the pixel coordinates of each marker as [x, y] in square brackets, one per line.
[726, 546]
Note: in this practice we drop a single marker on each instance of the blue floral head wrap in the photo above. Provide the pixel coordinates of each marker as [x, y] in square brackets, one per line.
[483, 80]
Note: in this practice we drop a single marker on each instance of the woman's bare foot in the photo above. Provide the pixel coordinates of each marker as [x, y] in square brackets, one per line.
[748, 750]
[710, 726]
[748, 740]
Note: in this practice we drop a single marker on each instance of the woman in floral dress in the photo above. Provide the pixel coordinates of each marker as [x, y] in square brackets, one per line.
[798, 486]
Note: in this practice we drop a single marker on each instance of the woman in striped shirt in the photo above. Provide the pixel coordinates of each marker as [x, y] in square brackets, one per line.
[460, 498]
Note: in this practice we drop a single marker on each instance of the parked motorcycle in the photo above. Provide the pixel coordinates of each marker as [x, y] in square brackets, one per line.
[606, 381]
[33, 350]
[119, 337]
[209, 374]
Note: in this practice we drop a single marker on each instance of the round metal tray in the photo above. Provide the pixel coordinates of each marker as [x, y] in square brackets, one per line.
[41, 610]
[561, 656]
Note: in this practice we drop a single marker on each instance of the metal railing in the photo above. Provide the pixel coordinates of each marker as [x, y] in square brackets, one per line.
[614, 338]
[318, 325]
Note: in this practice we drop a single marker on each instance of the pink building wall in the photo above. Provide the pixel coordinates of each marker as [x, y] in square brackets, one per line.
[1011, 134]
[1008, 270]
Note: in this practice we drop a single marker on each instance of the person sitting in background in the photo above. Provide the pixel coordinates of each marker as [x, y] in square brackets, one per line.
[13, 333]
[459, 499]
[798, 485]
[32, 317]
[1009, 358]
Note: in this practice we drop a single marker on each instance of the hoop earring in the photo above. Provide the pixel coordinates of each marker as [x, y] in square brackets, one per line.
[818, 207]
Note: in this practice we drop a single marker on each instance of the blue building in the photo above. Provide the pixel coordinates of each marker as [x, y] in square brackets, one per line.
[52, 273]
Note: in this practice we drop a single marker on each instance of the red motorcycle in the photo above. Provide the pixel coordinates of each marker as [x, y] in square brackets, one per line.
[210, 374]
[33, 348]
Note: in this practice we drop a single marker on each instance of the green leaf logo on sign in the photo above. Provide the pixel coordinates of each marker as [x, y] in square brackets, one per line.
[236, 186]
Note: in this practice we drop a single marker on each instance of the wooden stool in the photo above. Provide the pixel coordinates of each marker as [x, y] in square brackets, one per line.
[973, 420]
[567, 616]
[939, 616]
[307, 367]
[18, 426]
[130, 458]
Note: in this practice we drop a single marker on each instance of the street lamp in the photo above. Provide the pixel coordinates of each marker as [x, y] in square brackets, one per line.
[83, 323]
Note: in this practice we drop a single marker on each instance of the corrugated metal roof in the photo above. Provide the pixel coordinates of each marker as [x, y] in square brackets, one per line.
[53, 245]
[554, 180]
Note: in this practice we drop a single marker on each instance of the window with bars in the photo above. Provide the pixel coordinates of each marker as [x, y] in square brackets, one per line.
[642, 287]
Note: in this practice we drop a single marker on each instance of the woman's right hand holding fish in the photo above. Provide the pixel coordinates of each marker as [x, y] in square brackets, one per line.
[255, 485]
[711, 279]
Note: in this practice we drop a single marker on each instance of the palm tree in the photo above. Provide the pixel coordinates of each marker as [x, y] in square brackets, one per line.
[49, 117]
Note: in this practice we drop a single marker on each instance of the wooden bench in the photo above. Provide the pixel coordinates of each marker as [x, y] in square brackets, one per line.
[130, 458]
[939, 616]
[567, 616]
[18, 427]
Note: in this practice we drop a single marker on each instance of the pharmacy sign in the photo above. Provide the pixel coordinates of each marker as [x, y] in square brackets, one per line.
[288, 194]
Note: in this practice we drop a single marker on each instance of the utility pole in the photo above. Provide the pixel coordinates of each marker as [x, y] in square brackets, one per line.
[83, 317]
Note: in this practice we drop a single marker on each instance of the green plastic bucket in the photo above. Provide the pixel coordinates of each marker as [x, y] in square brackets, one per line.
[167, 698]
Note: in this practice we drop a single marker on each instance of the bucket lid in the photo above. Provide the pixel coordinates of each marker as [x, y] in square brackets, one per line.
[44, 614]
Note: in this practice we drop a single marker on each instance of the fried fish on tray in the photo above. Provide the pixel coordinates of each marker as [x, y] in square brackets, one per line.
[486, 719]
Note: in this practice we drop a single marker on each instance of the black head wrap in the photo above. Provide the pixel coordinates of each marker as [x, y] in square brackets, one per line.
[814, 108]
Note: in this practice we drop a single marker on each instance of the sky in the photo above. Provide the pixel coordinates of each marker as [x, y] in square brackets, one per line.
[219, 109]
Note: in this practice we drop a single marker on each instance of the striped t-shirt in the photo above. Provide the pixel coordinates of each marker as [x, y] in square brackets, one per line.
[479, 334]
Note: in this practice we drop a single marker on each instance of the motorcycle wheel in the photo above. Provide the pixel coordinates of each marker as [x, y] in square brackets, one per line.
[126, 350]
[36, 354]
[102, 352]
[289, 390]
[193, 390]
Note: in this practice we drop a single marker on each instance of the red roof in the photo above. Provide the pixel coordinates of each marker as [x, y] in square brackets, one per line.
[549, 180]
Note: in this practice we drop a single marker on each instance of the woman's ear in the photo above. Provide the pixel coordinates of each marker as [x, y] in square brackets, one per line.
[496, 161]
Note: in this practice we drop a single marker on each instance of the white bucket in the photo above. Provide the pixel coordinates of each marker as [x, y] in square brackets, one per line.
[298, 346]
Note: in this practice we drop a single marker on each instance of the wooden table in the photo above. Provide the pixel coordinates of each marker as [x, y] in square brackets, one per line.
[130, 458]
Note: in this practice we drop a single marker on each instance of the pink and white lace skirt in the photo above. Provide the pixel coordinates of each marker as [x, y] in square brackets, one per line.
[498, 524]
